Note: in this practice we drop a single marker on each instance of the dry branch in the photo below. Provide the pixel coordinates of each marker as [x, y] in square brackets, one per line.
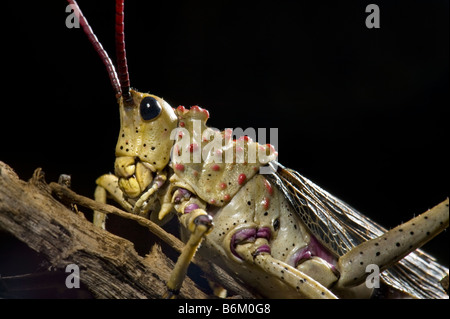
[109, 265]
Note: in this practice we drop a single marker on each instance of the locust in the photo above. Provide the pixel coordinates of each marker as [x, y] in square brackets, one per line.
[279, 233]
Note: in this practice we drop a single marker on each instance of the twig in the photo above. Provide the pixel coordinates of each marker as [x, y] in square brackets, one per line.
[111, 266]
[66, 194]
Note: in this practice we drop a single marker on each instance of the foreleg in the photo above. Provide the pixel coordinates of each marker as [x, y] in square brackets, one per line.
[108, 185]
[199, 224]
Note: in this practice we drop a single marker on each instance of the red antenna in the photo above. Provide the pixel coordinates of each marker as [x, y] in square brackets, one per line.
[122, 86]
[121, 53]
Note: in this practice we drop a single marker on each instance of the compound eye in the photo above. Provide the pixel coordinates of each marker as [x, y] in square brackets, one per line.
[149, 108]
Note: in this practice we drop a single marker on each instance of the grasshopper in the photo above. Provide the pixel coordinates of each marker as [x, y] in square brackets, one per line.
[279, 233]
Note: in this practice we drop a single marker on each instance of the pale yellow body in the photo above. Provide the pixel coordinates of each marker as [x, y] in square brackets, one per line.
[205, 187]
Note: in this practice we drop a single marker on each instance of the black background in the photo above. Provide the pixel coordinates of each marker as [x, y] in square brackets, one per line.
[361, 112]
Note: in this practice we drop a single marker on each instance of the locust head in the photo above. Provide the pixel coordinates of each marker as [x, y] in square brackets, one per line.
[144, 143]
[145, 127]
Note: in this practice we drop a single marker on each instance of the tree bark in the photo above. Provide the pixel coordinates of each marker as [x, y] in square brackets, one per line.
[109, 265]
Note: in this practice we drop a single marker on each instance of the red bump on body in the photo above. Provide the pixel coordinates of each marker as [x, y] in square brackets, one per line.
[245, 138]
[266, 203]
[227, 197]
[179, 167]
[268, 187]
[215, 167]
[270, 146]
[182, 124]
[241, 179]
[197, 108]
[177, 149]
[223, 185]
[193, 147]
[206, 113]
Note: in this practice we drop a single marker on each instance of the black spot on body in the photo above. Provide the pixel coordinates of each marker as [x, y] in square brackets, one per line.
[276, 224]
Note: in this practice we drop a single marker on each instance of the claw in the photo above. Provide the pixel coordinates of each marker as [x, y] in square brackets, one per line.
[204, 220]
[171, 294]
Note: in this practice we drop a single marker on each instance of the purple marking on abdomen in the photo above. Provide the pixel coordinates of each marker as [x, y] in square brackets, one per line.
[264, 232]
[189, 208]
[300, 255]
[247, 234]
[314, 249]
[262, 249]
[250, 235]
[318, 250]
